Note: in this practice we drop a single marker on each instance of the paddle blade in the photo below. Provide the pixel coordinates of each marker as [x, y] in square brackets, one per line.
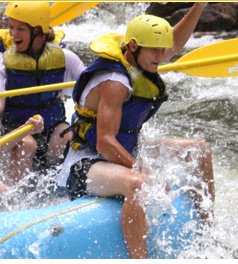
[62, 12]
[216, 60]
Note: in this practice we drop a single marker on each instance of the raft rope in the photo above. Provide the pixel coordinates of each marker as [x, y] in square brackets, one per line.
[18, 230]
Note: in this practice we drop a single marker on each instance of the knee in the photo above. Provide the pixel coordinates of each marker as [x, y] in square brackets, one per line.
[56, 136]
[201, 142]
[68, 137]
[204, 147]
[28, 147]
[134, 183]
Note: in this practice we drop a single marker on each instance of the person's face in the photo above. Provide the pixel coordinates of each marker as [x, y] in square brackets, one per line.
[150, 58]
[20, 33]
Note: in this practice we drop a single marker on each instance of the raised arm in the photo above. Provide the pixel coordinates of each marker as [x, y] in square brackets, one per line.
[184, 29]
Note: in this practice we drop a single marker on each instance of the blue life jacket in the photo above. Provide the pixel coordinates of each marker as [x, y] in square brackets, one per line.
[23, 71]
[135, 112]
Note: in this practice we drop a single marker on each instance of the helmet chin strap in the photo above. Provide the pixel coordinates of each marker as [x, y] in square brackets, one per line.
[136, 55]
[33, 35]
[32, 38]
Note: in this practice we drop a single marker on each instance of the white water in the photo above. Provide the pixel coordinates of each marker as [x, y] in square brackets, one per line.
[186, 115]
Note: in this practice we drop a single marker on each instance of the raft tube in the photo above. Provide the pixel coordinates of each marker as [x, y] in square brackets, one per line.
[90, 228]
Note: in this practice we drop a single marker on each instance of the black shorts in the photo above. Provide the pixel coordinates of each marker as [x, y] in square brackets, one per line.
[77, 181]
[40, 160]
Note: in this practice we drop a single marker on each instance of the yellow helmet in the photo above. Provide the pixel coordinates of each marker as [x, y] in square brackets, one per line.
[32, 13]
[150, 31]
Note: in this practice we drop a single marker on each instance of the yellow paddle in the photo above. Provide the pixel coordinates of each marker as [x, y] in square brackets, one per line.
[62, 12]
[37, 89]
[215, 60]
[16, 133]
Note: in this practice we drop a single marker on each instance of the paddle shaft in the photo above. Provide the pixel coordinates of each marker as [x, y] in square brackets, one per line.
[37, 89]
[15, 134]
[177, 66]
[219, 59]
[222, 63]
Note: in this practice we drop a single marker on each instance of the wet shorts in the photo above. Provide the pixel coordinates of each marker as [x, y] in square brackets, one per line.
[77, 181]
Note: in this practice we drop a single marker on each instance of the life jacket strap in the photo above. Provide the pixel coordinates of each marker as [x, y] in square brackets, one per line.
[81, 119]
[157, 100]
[35, 73]
[131, 131]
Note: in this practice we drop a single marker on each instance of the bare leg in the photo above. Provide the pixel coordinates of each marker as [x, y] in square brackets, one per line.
[205, 166]
[134, 228]
[111, 179]
[57, 144]
[22, 157]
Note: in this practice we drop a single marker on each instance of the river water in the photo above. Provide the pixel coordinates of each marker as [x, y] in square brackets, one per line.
[197, 107]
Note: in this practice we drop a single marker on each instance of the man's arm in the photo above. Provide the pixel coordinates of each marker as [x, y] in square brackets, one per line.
[184, 29]
[112, 95]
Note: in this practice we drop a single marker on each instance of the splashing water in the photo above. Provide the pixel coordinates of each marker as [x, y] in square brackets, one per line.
[163, 168]
[197, 107]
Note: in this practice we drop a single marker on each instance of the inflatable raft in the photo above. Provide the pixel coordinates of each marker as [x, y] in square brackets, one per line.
[90, 228]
